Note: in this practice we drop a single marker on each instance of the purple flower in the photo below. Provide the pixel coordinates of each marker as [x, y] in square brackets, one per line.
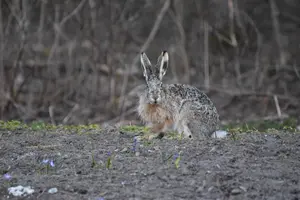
[123, 182]
[109, 153]
[100, 198]
[45, 161]
[7, 176]
[176, 155]
[134, 144]
[51, 163]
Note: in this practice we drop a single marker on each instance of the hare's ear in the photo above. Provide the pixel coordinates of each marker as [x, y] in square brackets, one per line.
[163, 62]
[146, 65]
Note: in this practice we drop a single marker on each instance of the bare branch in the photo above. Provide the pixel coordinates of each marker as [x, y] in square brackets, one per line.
[276, 29]
[151, 36]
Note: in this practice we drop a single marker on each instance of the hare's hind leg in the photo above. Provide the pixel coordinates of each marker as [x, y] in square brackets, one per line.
[182, 128]
[200, 129]
[187, 132]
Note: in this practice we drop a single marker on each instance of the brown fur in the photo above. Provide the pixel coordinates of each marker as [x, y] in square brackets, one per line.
[157, 116]
[156, 128]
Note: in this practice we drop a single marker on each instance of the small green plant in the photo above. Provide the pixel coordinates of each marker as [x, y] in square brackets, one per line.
[177, 158]
[80, 129]
[7, 179]
[288, 124]
[40, 125]
[109, 161]
[47, 165]
[174, 135]
[166, 158]
[134, 129]
[233, 135]
[94, 164]
[146, 143]
[37, 125]
[172, 159]
[135, 144]
[12, 125]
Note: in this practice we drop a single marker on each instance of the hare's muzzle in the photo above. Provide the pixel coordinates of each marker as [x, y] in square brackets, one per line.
[155, 100]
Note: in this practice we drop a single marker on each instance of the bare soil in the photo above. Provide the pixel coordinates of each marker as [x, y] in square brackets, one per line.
[254, 166]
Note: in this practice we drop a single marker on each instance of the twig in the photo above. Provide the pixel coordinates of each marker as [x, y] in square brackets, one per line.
[260, 76]
[231, 24]
[276, 28]
[177, 17]
[51, 114]
[128, 112]
[66, 119]
[14, 92]
[74, 12]
[2, 85]
[277, 106]
[296, 71]
[234, 41]
[111, 74]
[238, 92]
[206, 56]
[272, 118]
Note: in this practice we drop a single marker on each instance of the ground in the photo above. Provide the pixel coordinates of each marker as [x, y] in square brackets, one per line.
[111, 164]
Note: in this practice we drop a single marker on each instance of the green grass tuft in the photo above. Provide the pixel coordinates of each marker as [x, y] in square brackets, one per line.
[289, 124]
[12, 125]
[42, 126]
[135, 129]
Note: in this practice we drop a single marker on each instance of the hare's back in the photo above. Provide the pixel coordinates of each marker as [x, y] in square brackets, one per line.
[188, 92]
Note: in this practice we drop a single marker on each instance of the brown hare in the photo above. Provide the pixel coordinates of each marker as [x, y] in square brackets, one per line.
[183, 108]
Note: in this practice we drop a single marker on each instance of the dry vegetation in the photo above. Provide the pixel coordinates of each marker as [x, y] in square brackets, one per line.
[76, 61]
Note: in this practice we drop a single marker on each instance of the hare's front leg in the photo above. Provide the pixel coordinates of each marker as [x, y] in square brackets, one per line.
[155, 130]
[164, 126]
[157, 127]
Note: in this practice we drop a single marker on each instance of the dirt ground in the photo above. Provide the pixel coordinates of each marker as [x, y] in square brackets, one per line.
[253, 166]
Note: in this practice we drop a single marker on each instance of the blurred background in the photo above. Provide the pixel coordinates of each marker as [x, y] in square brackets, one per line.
[77, 61]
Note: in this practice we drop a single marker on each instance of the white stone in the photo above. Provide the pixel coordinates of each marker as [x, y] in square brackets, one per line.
[20, 191]
[52, 190]
[220, 134]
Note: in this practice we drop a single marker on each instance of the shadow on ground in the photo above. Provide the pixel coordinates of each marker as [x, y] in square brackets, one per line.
[104, 165]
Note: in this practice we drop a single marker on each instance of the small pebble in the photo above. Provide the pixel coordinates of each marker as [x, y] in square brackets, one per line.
[200, 189]
[243, 188]
[124, 150]
[213, 149]
[123, 183]
[236, 191]
[52, 190]
[220, 134]
[210, 188]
